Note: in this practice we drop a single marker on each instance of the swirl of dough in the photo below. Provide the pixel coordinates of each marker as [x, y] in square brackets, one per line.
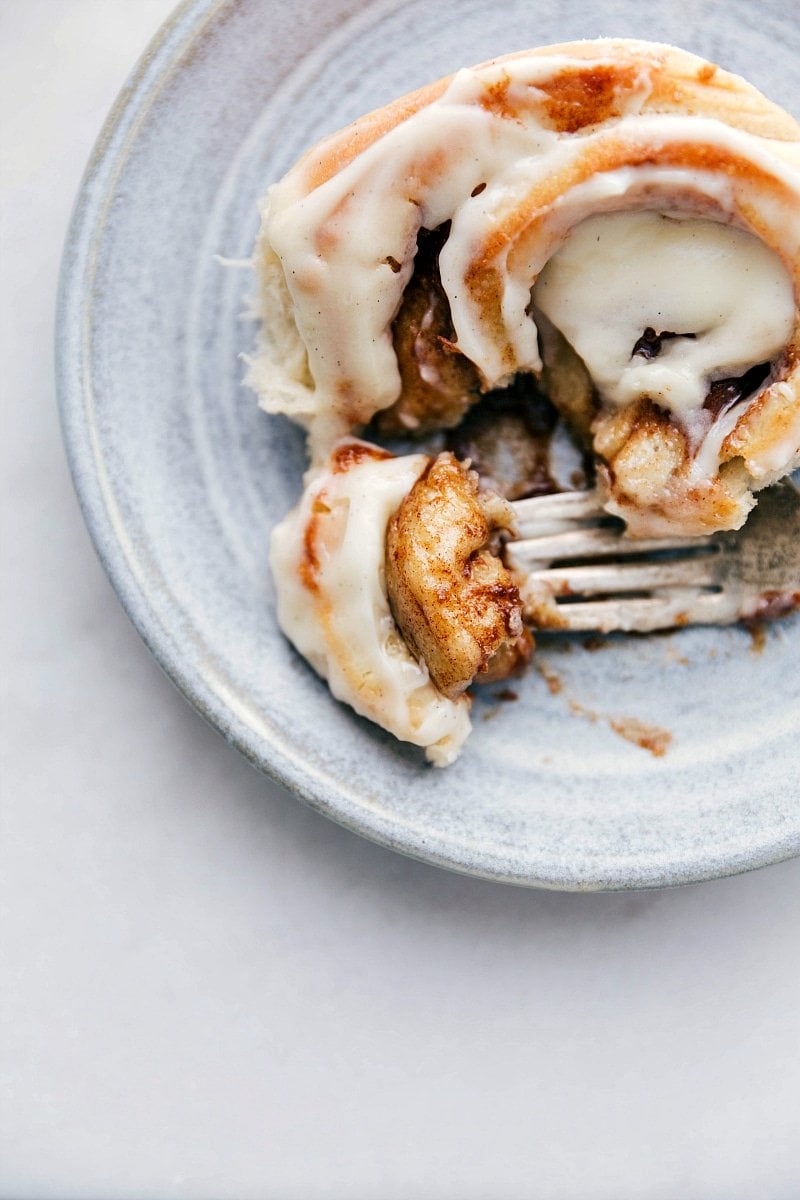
[328, 562]
[517, 155]
[456, 604]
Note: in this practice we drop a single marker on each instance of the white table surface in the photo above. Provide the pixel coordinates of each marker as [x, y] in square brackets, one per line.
[210, 991]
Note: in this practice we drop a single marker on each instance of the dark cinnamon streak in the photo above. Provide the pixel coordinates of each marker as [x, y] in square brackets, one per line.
[724, 393]
[649, 344]
[351, 454]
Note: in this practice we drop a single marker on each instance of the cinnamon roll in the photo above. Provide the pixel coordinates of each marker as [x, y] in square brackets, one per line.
[618, 218]
[604, 236]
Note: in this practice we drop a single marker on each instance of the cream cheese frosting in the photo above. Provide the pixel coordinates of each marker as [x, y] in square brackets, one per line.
[726, 296]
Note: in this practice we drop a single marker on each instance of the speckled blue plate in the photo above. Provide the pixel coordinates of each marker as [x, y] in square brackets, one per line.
[181, 477]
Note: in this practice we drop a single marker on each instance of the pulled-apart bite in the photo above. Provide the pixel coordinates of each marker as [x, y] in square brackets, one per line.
[387, 585]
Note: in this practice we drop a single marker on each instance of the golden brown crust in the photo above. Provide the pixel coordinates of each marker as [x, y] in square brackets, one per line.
[332, 155]
[456, 605]
[578, 97]
[644, 466]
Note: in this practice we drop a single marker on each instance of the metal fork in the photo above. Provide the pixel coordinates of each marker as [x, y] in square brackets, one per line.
[583, 574]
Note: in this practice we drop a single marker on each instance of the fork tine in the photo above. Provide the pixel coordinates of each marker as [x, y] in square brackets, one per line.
[684, 606]
[587, 543]
[613, 578]
[582, 573]
[539, 514]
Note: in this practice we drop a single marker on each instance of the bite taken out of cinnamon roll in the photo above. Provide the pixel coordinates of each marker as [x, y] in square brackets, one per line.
[388, 586]
[618, 219]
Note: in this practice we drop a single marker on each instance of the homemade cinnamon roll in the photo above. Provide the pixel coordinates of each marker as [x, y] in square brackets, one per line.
[618, 218]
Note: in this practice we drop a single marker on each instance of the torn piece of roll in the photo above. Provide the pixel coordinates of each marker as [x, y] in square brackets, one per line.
[615, 207]
[353, 601]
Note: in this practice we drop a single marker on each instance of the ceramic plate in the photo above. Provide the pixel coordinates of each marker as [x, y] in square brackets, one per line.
[181, 477]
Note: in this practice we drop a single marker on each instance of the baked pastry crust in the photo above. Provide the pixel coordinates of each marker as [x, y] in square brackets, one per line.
[456, 604]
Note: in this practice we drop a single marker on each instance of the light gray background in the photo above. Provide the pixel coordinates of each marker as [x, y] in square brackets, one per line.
[209, 991]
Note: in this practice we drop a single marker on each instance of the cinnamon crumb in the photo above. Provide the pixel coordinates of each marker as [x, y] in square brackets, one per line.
[554, 682]
[758, 637]
[649, 737]
[580, 710]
